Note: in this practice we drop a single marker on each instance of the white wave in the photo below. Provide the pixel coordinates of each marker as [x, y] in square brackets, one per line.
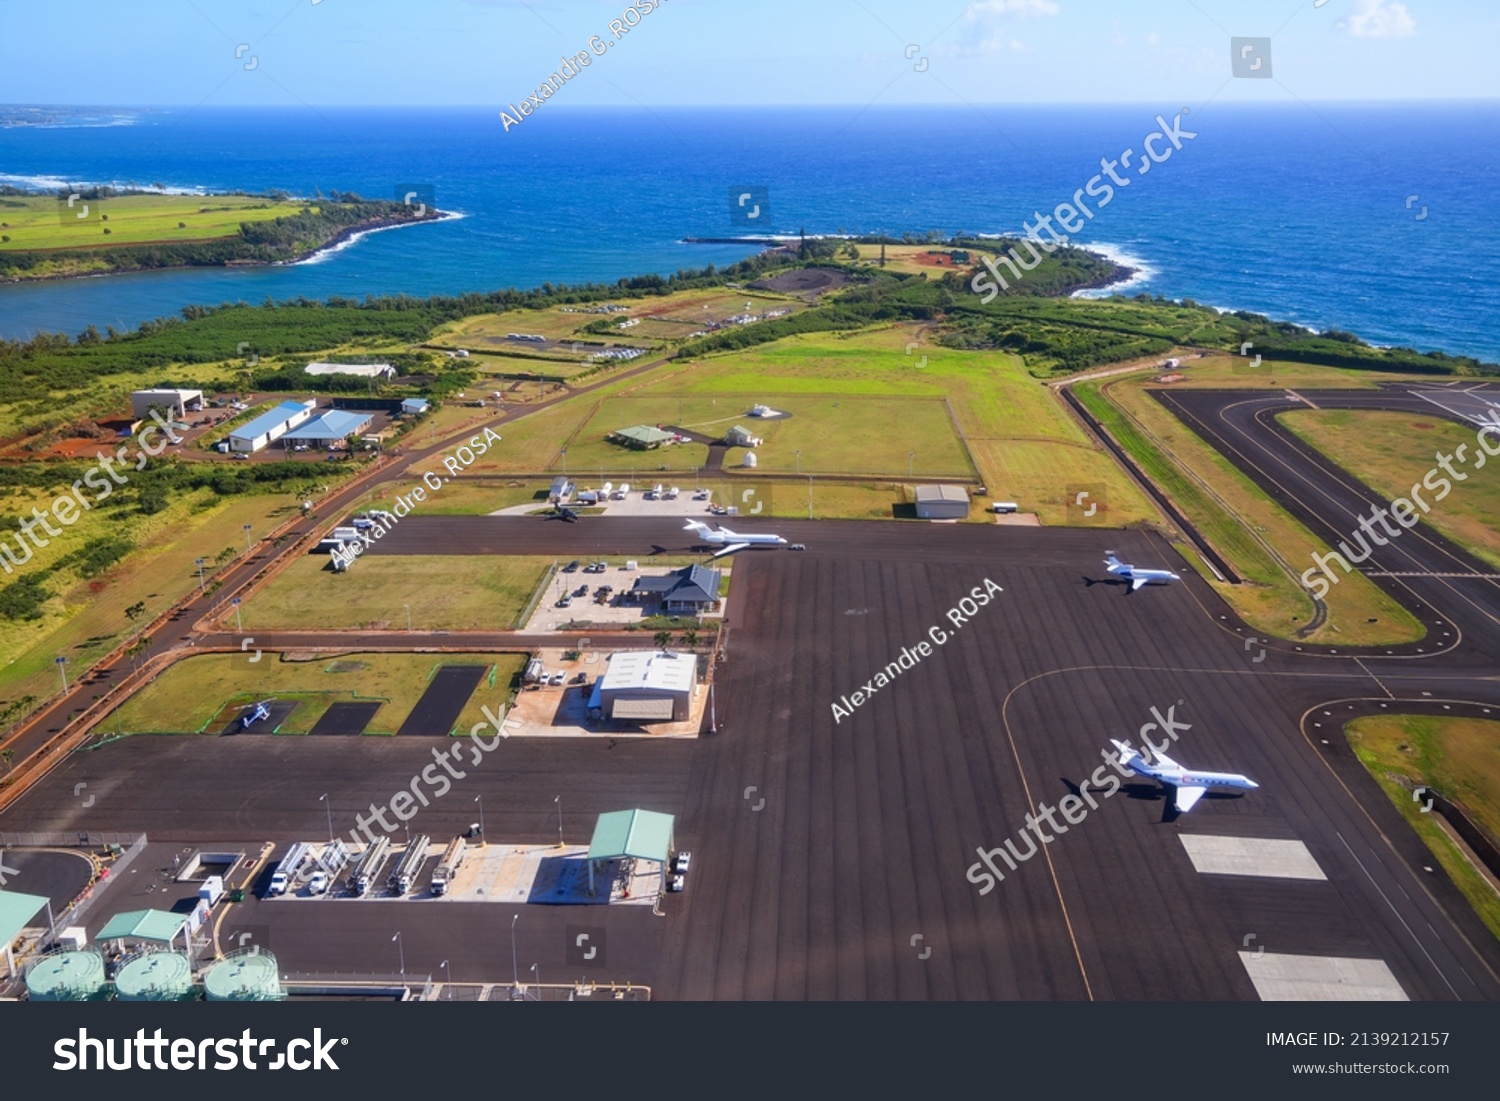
[1145, 271]
[354, 238]
[57, 183]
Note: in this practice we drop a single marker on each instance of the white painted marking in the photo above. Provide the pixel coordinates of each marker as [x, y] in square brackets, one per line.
[1279, 977]
[1250, 856]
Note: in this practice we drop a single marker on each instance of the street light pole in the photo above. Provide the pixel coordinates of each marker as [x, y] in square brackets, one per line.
[401, 950]
[809, 497]
[62, 667]
[480, 800]
[408, 617]
[538, 975]
[200, 562]
[910, 457]
[515, 973]
[329, 808]
[247, 538]
[558, 800]
[450, 979]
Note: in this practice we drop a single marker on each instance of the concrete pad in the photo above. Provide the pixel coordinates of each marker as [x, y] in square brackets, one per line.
[1256, 856]
[1287, 978]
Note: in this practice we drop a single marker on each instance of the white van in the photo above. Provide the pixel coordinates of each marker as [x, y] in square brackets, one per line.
[1005, 506]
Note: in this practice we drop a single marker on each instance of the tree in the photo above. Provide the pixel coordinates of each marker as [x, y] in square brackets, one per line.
[135, 611]
[663, 639]
[7, 754]
[689, 638]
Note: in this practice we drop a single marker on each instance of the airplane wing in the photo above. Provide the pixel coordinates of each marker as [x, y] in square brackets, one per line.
[728, 550]
[1137, 582]
[1187, 798]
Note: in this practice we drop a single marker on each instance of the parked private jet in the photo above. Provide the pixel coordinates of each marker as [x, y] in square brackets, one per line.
[1136, 575]
[729, 540]
[1187, 785]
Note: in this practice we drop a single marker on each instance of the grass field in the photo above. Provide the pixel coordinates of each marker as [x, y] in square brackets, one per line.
[1025, 444]
[1391, 452]
[44, 222]
[834, 433]
[86, 618]
[672, 317]
[929, 260]
[195, 695]
[444, 592]
[1258, 537]
[1460, 758]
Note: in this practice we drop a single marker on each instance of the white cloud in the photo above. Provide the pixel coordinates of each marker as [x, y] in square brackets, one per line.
[1379, 19]
[983, 33]
[1022, 8]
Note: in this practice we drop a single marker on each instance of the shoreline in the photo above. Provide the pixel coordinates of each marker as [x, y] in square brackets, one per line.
[1124, 272]
[345, 238]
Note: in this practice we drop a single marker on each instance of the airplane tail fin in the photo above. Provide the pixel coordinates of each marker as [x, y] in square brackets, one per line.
[696, 525]
[1111, 563]
[1128, 754]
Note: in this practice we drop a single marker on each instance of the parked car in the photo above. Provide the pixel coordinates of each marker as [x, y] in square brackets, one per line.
[680, 863]
[571, 567]
[318, 884]
[564, 601]
[676, 883]
[582, 590]
[559, 678]
[796, 546]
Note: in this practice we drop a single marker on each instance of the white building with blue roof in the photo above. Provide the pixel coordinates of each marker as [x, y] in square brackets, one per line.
[270, 426]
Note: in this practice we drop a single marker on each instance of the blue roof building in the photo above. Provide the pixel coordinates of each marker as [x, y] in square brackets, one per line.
[270, 425]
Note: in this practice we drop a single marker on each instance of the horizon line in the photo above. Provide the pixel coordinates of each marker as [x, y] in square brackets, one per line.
[735, 106]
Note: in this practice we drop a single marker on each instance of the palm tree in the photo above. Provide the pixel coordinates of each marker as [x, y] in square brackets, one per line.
[7, 754]
[690, 638]
[663, 639]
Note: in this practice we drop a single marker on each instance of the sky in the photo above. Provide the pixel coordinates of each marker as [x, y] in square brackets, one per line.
[739, 52]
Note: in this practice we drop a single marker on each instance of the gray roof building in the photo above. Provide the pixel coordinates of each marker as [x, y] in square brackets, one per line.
[692, 588]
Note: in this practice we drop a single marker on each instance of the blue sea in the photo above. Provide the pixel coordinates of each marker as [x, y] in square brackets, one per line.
[1378, 219]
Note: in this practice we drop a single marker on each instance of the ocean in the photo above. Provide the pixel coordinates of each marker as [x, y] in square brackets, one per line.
[1371, 218]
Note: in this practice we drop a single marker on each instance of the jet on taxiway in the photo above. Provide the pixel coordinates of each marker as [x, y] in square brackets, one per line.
[1186, 784]
[729, 540]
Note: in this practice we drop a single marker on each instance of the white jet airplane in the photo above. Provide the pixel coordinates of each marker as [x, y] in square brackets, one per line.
[1187, 785]
[729, 540]
[1135, 575]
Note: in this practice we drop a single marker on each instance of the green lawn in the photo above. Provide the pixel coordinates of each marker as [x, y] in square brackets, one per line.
[444, 593]
[86, 617]
[43, 222]
[1391, 452]
[1460, 759]
[835, 433]
[200, 694]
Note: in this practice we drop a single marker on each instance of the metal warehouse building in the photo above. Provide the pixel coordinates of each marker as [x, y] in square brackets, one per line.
[644, 686]
[176, 402]
[270, 426]
[942, 503]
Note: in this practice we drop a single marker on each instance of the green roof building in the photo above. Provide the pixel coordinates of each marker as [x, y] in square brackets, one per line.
[638, 834]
